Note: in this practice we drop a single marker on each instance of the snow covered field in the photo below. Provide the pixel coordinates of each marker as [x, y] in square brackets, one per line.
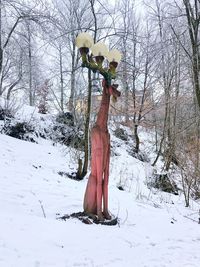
[153, 229]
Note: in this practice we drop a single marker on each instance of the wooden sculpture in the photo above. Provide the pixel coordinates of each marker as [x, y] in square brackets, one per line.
[96, 194]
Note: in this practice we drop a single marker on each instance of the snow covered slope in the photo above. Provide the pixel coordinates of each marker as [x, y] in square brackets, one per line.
[153, 230]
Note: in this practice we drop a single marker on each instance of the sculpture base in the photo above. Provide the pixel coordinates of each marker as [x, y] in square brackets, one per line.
[89, 218]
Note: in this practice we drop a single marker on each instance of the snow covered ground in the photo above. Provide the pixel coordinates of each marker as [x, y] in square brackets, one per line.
[154, 230]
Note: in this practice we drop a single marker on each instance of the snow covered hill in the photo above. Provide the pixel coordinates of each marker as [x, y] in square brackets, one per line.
[154, 230]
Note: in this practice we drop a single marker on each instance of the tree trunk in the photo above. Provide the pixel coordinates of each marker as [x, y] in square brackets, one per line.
[31, 93]
[1, 50]
[87, 117]
[192, 14]
[61, 80]
[166, 134]
[172, 146]
[137, 140]
[81, 175]
[72, 91]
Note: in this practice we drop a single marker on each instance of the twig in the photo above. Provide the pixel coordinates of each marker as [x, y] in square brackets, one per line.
[41, 205]
[185, 216]
[189, 218]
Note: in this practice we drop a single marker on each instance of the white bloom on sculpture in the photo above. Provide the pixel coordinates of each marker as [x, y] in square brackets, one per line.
[99, 49]
[114, 56]
[84, 39]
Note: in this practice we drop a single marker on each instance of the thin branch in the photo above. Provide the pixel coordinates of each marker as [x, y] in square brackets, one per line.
[177, 37]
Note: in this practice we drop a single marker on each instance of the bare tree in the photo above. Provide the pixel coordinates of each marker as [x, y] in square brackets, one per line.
[13, 15]
[192, 9]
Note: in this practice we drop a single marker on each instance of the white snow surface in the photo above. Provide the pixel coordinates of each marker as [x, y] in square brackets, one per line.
[154, 230]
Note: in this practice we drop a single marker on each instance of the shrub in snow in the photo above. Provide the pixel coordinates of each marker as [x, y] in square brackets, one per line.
[163, 183]
[20, 130]
[5, 114]
[65, 118]
[138, 155]
[121, 134]
[196, 192]
[30, 126]
[69, 136]
[65, 131]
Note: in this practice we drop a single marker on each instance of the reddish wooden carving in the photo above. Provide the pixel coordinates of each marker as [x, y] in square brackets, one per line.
[96, 194]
